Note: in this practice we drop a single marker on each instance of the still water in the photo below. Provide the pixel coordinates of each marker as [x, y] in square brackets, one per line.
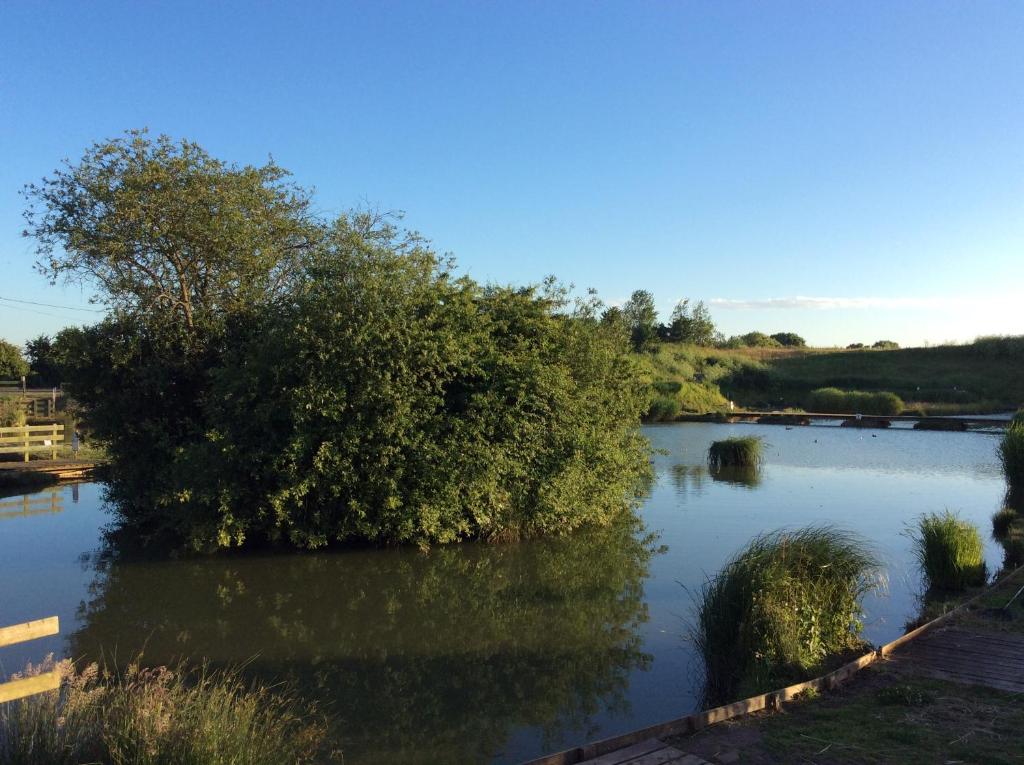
[474, 653]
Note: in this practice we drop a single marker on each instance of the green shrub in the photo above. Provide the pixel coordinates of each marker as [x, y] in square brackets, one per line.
[664, 408]
[780, 608]
[836, 401]
[1002, 521]
[741, 451]
[12, 412]
[950, 552]
[157, 717]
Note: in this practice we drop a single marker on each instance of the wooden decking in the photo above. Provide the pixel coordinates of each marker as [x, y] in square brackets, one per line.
[649, 752]
[994, 659]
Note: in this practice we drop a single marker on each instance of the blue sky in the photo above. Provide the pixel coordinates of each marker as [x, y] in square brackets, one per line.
[849, 171]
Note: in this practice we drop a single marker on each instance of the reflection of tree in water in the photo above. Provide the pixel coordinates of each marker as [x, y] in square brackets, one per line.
[747, 476]
[420, 657]
[689, 480]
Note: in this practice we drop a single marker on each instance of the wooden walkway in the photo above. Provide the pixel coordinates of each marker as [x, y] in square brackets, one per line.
[995, 659]
[59, 469]
[649, 752]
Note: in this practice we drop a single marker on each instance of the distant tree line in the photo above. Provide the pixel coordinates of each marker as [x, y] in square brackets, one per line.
[688, 324]
[887, 345]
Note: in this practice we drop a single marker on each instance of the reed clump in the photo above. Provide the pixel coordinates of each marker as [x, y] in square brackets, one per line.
[736, 452]
[160, 716]
[1002, 523]
[781, 608]
[950, 552]
[1011, 453]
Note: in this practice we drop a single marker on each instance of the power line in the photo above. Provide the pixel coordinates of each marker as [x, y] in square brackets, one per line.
[52, 305]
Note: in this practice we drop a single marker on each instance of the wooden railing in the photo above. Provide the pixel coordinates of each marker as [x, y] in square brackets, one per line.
[32, 438]
[29, 686]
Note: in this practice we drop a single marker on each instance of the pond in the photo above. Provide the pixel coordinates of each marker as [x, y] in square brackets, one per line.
[480, 653]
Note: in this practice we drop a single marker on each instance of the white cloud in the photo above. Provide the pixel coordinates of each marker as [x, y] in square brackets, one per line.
[829, 303]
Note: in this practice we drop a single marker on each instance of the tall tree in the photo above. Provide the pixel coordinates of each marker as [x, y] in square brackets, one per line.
[642, 317]
[692, 325]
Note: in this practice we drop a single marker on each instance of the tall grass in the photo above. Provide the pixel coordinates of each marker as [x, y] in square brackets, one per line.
[781, 607]
[1011, 453]
[740, 451]
[156, 717]
[950, 552]
[836, 401]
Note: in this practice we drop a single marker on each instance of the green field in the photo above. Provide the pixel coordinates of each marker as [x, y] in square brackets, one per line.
[985, 376]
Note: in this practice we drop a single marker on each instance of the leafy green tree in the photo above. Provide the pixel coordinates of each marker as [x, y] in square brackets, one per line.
[160, 228]
[692, 325]
[642, 318]
[12, 365]
[789, 340]
[888, 345]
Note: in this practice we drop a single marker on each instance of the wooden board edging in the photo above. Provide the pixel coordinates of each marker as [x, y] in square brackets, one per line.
[29, 686]
[771, 700]
[20, 633]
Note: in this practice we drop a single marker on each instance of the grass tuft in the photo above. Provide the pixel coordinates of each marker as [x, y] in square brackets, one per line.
[950, 552]
[742, 451]
[781, 608]
[1011, 453]
[160, 716]
[1002, 522]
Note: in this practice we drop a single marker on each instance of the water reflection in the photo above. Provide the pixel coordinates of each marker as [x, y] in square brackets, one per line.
[689, 480]
[745, 476]
[420, 657]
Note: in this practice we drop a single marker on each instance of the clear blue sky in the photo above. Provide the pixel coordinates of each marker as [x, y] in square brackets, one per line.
[866, 155]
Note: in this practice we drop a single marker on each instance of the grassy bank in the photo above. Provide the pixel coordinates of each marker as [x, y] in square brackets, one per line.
[955, 379]
[155, 717]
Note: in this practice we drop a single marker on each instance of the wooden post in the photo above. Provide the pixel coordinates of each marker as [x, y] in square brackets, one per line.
[53, 443]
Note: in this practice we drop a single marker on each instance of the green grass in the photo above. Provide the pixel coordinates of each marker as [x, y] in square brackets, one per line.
[950, 552]
[955, 379]
[739, 451]
[914, 721]
[781, 609]
[157, 717]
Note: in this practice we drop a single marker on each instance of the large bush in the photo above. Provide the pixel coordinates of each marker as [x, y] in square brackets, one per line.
[269, 375]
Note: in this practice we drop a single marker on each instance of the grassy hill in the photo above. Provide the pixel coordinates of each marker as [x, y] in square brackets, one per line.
[984, 376]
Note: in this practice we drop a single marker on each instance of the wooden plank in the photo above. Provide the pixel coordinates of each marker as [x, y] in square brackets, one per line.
[666, 756]
[19, 633]
[29, 686]
[20, 429]
[627, 754]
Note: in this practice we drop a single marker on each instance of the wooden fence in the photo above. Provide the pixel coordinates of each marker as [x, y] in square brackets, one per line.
[29, 686]
[32, 438]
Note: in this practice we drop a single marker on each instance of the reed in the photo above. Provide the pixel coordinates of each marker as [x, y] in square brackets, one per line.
[950, 552]
[1011, 453]
[741, 451]
[781, 608]
[156, 717]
